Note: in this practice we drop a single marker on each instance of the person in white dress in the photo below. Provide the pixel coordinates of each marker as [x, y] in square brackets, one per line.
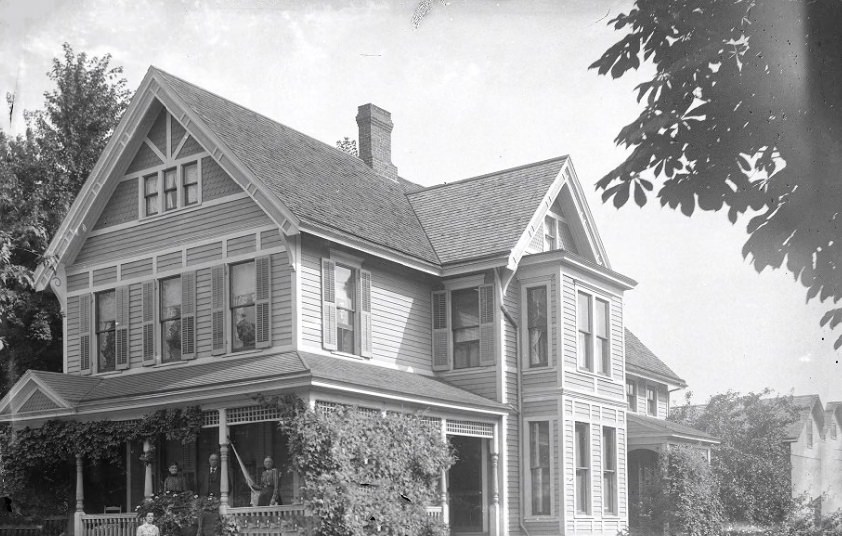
[148, 529]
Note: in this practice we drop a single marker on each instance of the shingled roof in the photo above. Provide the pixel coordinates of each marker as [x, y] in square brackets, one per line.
[641, 360]
[320, 184]
[484, 215]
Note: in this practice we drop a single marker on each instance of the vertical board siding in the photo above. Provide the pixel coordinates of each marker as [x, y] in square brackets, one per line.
[141, 268]
[104, 276]
[401, 328]
[241, 245]
[122, 207]
[271, 239]
[144, 159]
[204, 253]
[169, 261]
[204, 335]
[78, 281]
[135, 325]
[215, 182]
[180, 228]
[73, 365]
[281, 300]
[481, 380]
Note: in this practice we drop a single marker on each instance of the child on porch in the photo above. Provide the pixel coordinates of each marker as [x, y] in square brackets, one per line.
[148, 529]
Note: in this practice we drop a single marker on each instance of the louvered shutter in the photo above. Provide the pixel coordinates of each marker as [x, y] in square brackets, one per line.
[328, 304]
[148, 326]
[365, 314]
[441, 332]
[188, 315]
[486, 325]
[263, 303]
[218, 310]
[85, 333]
[121, 328]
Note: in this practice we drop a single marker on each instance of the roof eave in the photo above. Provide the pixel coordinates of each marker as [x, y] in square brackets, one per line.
[647, 374]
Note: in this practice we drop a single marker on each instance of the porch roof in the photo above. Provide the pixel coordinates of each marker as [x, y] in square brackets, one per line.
[200, 382]
[645, 429]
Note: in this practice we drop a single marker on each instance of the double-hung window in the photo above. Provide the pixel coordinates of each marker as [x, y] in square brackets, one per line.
[346, 306]
[592, 319]
[651, 401]
[463, 327]
[537, 326]
[609, 470]
[539, 467]
[243, 288]
[631, 394]
[150, 194]
[190, 184]
[106, 324]
[171, 319]
[583, 468]
[550, 239]
[170, 189]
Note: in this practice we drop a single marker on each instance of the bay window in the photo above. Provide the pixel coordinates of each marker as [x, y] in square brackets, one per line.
[539, 467]
[537, 326]
[592, 323]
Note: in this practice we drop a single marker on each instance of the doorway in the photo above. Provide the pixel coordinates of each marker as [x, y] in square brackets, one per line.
[467, 483]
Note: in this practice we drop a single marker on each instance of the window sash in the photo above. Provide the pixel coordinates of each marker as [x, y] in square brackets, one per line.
[582, 455]
[537, 326]
[539, 462]
[243, 291]
[651, 401]
[631, 395]
[550, 234]
[583, 322]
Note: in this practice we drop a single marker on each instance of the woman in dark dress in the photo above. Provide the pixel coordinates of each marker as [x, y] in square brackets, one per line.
[174, 483]
[268, 484]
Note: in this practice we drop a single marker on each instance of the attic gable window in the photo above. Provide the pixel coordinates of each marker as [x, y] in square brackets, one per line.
[171, 188]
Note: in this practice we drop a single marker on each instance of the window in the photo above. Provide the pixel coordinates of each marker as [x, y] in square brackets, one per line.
[592, 322]
[651, 401]
[631, 394]
[171, 319]
[539, 466]
[465, 325]
[585, 348]
[536, 323]
[583, 464]
[346, 293]
[609, 470]
[550, 242]
[150, 193]
[242, 306]
[170, 190]
[603, 352]
[106, 323]
[190, 179]
[809, 433]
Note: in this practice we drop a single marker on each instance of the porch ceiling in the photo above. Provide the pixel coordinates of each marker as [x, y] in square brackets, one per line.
[644, 430]
[220, 379]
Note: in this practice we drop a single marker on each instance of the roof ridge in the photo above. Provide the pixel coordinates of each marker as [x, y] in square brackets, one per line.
[489, 175]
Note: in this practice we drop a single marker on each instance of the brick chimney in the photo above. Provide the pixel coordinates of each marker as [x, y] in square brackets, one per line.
[375, 126]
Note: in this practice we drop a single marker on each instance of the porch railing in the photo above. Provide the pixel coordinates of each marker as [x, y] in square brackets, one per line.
[109, 524]
[435, 512]
[270, 520]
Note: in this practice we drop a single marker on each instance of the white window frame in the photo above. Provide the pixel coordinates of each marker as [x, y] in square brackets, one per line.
[616, 473]
[228, 307]
[654, 389]
[462, 283]
[354, 263]
[95, 368]
[159, 322]
[524, 322]
[589, 511]
[593, 296]
[527, 469]
[159, 170]
[633, 383]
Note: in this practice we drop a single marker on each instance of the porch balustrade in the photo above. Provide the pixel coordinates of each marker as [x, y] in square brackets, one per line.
[109, 524]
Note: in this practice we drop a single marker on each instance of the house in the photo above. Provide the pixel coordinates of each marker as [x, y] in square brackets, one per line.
[214, 254]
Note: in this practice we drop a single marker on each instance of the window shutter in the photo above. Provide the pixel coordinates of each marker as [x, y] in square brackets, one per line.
[328, 304]
[486, 325]
[365, 314]
[263, 303]
[441, 332]
[121, 330]
[188, 315]
[85, 333]
[148, 306]
[218, 309]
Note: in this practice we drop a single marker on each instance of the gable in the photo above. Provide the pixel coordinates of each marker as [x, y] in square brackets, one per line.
[30, 395]
[38, 401]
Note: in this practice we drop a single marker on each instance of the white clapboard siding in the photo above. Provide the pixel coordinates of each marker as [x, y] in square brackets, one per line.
[481, 380]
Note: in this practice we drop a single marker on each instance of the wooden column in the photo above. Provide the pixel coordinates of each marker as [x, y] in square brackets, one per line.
[223, 462]
[147, 481]
[445, 508]
[494, 522]
[78, 529]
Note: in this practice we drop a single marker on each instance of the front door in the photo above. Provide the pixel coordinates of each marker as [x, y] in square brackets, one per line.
[467, 483]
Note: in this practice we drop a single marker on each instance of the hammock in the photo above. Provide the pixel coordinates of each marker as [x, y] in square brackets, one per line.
[255, 490]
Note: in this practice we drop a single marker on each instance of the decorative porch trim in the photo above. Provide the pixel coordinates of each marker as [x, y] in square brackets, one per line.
[470, 428]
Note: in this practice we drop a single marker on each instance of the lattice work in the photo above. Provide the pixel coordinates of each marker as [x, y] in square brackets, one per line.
[470, 428]
[330, 407]
[252, 414]
[210, 418]
[38, 402]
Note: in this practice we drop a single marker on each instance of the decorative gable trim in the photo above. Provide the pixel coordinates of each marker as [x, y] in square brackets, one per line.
[96, 191]
[566, 175]
[30, 393]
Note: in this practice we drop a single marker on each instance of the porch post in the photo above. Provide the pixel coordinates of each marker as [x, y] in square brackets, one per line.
[223, 461]
[494, 525]
[445, 508]
[80, 497]
[147, 467]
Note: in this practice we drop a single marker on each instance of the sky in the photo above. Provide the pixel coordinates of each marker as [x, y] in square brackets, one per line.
[477, 87]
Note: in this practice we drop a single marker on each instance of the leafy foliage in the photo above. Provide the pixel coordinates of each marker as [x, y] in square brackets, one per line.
[684, 496]
[347, 145]
[47, 454]
[367, 475]
[40, 175]
[741, 114]
[752, 463]
[175, 512]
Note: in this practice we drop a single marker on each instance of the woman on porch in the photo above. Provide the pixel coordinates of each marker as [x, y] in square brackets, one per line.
[268, 495]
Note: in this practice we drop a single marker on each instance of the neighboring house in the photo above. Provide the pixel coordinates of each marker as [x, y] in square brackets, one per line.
[816, 452]
[649, 382]
[214, 254]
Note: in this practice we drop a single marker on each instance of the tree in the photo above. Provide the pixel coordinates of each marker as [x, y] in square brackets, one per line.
[752, 463]
[40, 175]
[743, 113]
[347, 145]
